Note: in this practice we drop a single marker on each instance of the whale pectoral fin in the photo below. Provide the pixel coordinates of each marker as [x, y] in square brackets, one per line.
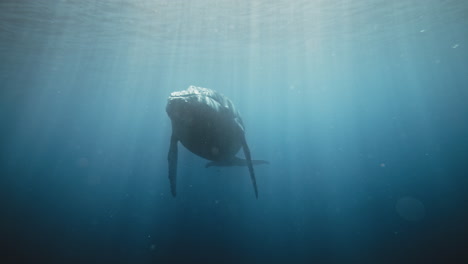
[248, 158]
[172, 159]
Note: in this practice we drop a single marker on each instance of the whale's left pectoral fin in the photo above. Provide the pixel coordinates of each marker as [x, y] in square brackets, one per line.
[248, 158]
[172, 159]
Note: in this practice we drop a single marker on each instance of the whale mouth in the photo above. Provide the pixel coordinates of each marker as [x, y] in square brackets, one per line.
[194, 93]
[181, 105]
[181, 102]
[198, 99]
[180, 95]
[191, 91]
[194, 96]
[190, 96]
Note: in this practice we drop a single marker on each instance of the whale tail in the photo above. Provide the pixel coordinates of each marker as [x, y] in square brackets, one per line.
[234, 162]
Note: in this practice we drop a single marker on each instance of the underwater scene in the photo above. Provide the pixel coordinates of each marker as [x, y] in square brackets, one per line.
[234, 131]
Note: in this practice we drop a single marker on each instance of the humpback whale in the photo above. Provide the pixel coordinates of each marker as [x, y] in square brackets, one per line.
[207, 124]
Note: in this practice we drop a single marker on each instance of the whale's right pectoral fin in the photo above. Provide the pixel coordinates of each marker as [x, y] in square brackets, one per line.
[172, 159]
[249, 164]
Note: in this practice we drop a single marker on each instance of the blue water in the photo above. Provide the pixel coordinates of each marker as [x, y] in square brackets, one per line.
[361, 107]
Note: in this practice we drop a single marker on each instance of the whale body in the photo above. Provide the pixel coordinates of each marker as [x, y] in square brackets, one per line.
[208, 124]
